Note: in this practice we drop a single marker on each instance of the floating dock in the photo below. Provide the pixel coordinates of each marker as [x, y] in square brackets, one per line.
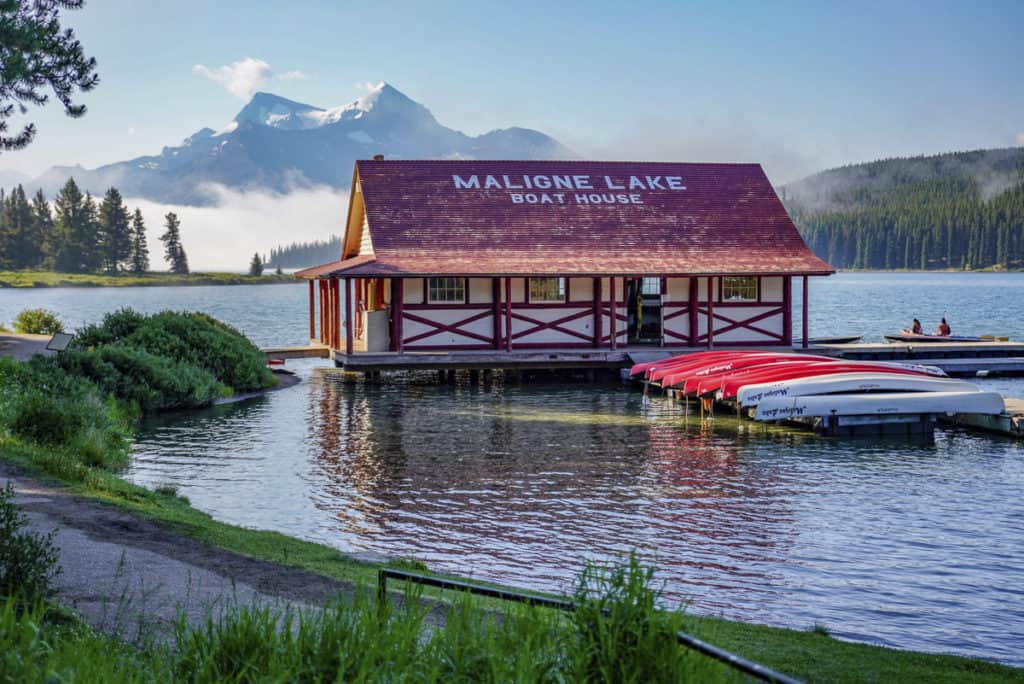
[1009, 423]
[955, 358]
[310, 351]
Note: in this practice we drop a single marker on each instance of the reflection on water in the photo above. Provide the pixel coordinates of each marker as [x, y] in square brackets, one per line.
[902, 543]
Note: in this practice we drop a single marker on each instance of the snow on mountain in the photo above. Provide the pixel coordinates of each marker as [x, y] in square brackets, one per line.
[279, 145]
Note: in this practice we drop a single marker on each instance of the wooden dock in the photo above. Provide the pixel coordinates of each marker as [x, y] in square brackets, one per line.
[485, 360]
[960, 358]
[1009, 423]
[310, 351]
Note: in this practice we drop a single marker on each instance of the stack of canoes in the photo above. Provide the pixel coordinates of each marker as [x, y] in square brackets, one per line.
[771, 386]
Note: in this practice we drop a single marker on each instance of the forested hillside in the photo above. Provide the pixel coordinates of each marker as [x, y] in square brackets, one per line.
[77, 234]
[305, 254]
[961, 210]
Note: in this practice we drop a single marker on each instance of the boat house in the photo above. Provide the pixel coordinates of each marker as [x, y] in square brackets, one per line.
[482, 263]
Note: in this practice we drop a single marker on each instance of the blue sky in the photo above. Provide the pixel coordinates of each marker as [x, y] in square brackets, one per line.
[796, 86]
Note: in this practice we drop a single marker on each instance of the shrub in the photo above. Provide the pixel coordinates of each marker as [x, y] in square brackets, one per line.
[151, 382]
[37, 322]
[47, 420]
[28, 561]
[190, 338]
[43, 404]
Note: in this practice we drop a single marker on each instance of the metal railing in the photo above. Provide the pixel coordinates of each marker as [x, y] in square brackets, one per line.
[734, 661]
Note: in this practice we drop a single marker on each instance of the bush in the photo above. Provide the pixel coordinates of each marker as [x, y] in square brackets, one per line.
[189, 338]
[28, 561]
[47, 420]
[43, 404]
[37, 322]
[153, 383]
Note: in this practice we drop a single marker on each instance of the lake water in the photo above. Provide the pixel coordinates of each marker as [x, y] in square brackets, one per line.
[913, 544]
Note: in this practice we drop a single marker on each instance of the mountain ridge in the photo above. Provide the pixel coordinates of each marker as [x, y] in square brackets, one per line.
[275, 144]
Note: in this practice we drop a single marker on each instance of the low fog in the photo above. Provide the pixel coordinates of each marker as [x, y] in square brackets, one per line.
[224, 237]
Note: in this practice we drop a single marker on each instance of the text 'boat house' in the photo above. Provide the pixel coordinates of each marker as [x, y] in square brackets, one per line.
[493, 259]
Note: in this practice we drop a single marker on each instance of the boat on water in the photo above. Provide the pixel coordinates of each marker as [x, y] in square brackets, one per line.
[880, 404]
[907, 336]
[836, 339]
[849, 383]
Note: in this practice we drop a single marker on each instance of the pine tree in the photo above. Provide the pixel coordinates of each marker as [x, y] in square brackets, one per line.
[6, 235]
[140, 248]
[174, 253]
[115, 233]
[42, 218]
[256, 265]
[36, 52]
[74, 230]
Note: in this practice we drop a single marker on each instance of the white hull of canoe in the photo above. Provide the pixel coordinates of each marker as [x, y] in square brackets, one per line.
[751, 395]
[897, 403]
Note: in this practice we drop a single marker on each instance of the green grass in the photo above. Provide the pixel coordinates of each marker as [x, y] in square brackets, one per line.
[806, 654]
[54, 279]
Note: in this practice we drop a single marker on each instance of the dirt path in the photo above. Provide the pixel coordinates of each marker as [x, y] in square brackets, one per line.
[123, 573]
[23, 347]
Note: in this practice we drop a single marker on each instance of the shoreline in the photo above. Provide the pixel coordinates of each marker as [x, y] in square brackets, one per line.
[109, 510]
[53, 279]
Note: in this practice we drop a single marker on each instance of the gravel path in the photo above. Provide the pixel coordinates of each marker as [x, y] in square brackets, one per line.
[23, 347]
[124, 574]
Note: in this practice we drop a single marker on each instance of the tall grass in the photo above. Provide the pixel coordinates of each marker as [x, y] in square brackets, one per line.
[356, 640]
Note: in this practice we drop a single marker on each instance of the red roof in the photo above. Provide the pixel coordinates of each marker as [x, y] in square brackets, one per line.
[573, 218]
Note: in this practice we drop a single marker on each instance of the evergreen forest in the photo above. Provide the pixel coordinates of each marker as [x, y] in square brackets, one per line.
[305, 254]
[77, 234]
[962, 210]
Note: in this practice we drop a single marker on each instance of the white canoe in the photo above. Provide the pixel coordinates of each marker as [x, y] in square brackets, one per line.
[751, 395]
[885, 403]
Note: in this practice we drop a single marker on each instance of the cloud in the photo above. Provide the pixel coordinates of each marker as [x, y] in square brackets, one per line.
[224, 237]
[699, 140]
[246, 76]
[241, 78]
[1020, 138]
[368, 86]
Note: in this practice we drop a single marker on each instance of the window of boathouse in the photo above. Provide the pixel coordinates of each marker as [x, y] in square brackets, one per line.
[446, 290]
[547, 290]
[739, 289]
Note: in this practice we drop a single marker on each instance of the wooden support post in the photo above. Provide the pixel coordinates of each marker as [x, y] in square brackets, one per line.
[328, 303]
[474, 377]
[336, 312]
[323, 310]
[348, 316]
[711, 313]
[397, 311]
[692, 303]
[805, 314]
[496, 310]
[598, 312]
[613, 326]
[508, 314]
[787, 310]
[661, 309]
[312, 312]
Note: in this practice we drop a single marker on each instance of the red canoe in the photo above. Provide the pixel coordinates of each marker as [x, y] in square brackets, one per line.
[681, 358]
[676, 375]
[730, 386]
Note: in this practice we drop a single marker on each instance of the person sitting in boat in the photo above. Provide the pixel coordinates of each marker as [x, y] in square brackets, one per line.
[916, 328]
[944, 330]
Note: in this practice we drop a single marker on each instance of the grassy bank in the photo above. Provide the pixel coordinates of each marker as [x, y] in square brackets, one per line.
[54, 279]
[812, 655]
[69, 419]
